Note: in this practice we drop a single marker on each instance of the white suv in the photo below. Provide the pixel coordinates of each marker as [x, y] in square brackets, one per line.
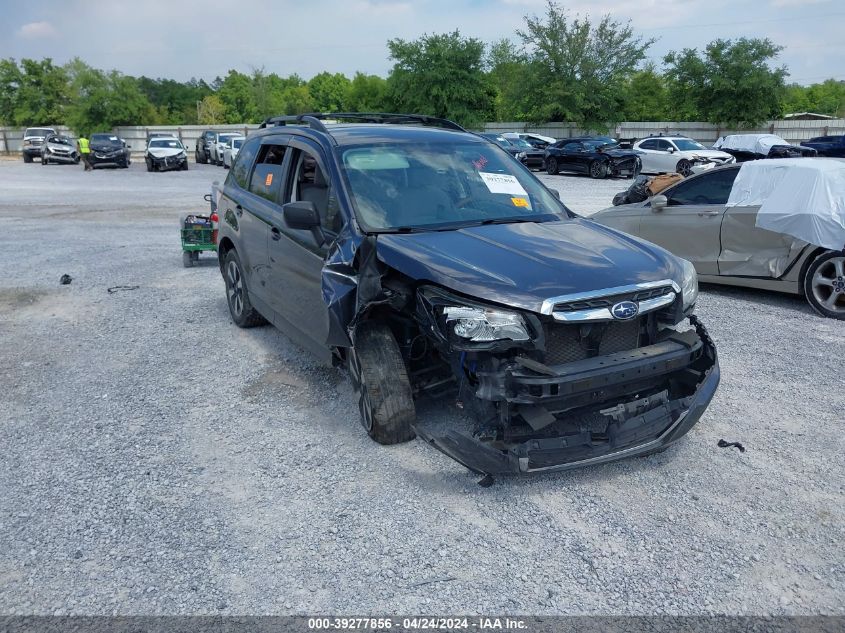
[662, 154]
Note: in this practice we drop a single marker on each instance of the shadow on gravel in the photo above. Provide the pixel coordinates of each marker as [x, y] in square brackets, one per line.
[760, 297]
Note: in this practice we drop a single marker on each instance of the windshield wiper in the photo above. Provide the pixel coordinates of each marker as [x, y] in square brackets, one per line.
[507, 220]
[404, 229]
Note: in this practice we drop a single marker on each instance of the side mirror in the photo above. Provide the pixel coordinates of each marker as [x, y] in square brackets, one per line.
[658, 203]
[303, 216]
[671, 150]
[555, 193]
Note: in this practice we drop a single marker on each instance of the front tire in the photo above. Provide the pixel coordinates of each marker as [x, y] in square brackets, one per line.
[684, 167]
[552, 166]
[149, 165]
[187, 259]
[824, 285]
[27, 158]
[598, 169]
[237, 294]
[381, 384]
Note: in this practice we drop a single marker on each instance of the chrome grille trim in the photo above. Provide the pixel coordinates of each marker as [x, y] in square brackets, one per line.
[603, 314]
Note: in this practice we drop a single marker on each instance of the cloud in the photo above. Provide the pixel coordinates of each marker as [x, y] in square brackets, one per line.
[795, 3]
[36, 30]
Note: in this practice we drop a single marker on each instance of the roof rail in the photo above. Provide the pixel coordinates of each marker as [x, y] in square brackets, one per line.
[315, 119]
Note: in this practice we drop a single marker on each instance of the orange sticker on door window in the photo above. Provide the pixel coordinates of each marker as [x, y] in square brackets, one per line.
[519, 202]
[268, 180]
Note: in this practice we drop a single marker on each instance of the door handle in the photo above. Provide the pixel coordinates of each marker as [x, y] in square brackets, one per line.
[709, 213]
[276, 234]
[239, 210]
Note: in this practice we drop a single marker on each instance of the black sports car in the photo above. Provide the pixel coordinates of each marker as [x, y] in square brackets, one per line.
[598, 156]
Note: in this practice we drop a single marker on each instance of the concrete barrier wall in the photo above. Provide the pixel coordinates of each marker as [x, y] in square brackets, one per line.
[11, 139]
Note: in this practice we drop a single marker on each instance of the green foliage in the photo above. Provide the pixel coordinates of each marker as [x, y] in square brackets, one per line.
[645, 97]
[174, 101]
[101, 101]
[211, 111]
[367, 93]
[731, 83]
[508, 68]
[32, 93]
[280, 95]
[329, 92]
[441, 75]
[577, 69]
[236, 93]
[827, 97]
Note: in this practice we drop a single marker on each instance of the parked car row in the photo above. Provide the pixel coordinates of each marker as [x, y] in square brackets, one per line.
[604, 156]
[218, 148]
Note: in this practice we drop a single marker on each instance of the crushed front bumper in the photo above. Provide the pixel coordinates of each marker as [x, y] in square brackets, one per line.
[636, 427]
[168, 162]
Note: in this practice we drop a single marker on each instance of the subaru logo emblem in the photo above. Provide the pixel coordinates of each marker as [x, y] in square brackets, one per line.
[624, 310]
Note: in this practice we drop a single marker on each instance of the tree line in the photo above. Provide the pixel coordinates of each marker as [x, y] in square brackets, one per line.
[556, 68]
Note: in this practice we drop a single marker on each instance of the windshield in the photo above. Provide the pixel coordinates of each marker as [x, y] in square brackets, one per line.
[37, 131]
[685, 144]
[597, 143]
[430, 186]
[236, 143]
[499, 140]
[520, 143]
[105, 139]
[224, 138]
[166, 142]
[61, 140]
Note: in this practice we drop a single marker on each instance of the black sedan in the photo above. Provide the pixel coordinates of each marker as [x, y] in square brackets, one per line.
[519, 149]
[107, 150]
[599, 157]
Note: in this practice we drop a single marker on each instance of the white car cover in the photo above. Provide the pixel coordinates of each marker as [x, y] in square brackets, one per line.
[801, 197]
[759, 143]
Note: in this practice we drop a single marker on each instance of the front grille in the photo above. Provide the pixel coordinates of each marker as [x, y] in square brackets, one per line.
[609, 301]
[569, 343]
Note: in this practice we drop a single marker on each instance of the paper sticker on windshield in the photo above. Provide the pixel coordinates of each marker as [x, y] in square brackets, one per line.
[502, 183]
[268, 180]
[520, 202]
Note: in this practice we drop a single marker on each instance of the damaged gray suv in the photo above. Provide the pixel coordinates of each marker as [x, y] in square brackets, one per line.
[426, 259]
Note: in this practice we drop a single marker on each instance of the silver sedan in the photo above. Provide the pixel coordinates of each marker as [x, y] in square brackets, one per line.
[692, 219]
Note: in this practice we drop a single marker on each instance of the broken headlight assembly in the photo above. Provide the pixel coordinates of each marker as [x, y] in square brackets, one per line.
[482, 325]
[689, 286]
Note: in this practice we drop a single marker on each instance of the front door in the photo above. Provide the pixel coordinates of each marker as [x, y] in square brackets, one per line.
[690, 225]
[296, 257]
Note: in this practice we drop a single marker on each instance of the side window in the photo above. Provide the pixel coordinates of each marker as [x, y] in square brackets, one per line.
[649, 144]
[266, 178]
[309, 182]
[243, 163]
[664, 146]
[573, 147]
[712, 188]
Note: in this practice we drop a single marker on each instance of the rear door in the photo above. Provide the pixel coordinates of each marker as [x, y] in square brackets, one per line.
[244, 214]
[296, 258]
[690, 226]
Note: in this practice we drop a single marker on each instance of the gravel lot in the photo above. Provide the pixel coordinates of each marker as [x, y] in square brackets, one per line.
[158, 460]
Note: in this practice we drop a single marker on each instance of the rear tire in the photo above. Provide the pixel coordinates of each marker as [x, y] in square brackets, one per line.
[551, 166]
[824, 285]
[381, 384]
[237, 294]
[187, 260]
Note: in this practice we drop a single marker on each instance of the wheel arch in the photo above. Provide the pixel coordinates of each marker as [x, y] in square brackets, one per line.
[811, 256]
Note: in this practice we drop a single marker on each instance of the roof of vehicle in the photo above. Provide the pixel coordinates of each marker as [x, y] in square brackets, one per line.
[667, 138]
[40, 129]
[364, 133]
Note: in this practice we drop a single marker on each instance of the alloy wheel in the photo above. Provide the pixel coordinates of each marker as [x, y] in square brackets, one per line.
[828, 284]
[235, 288]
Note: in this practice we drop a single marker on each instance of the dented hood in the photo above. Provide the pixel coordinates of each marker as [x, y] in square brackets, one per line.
[523, 264]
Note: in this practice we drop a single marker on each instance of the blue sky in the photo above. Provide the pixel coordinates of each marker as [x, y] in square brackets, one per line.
[204, 38]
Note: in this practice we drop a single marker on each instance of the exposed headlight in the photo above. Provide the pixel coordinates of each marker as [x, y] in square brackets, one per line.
[485, 324]
[689, 287]
[521, 155]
